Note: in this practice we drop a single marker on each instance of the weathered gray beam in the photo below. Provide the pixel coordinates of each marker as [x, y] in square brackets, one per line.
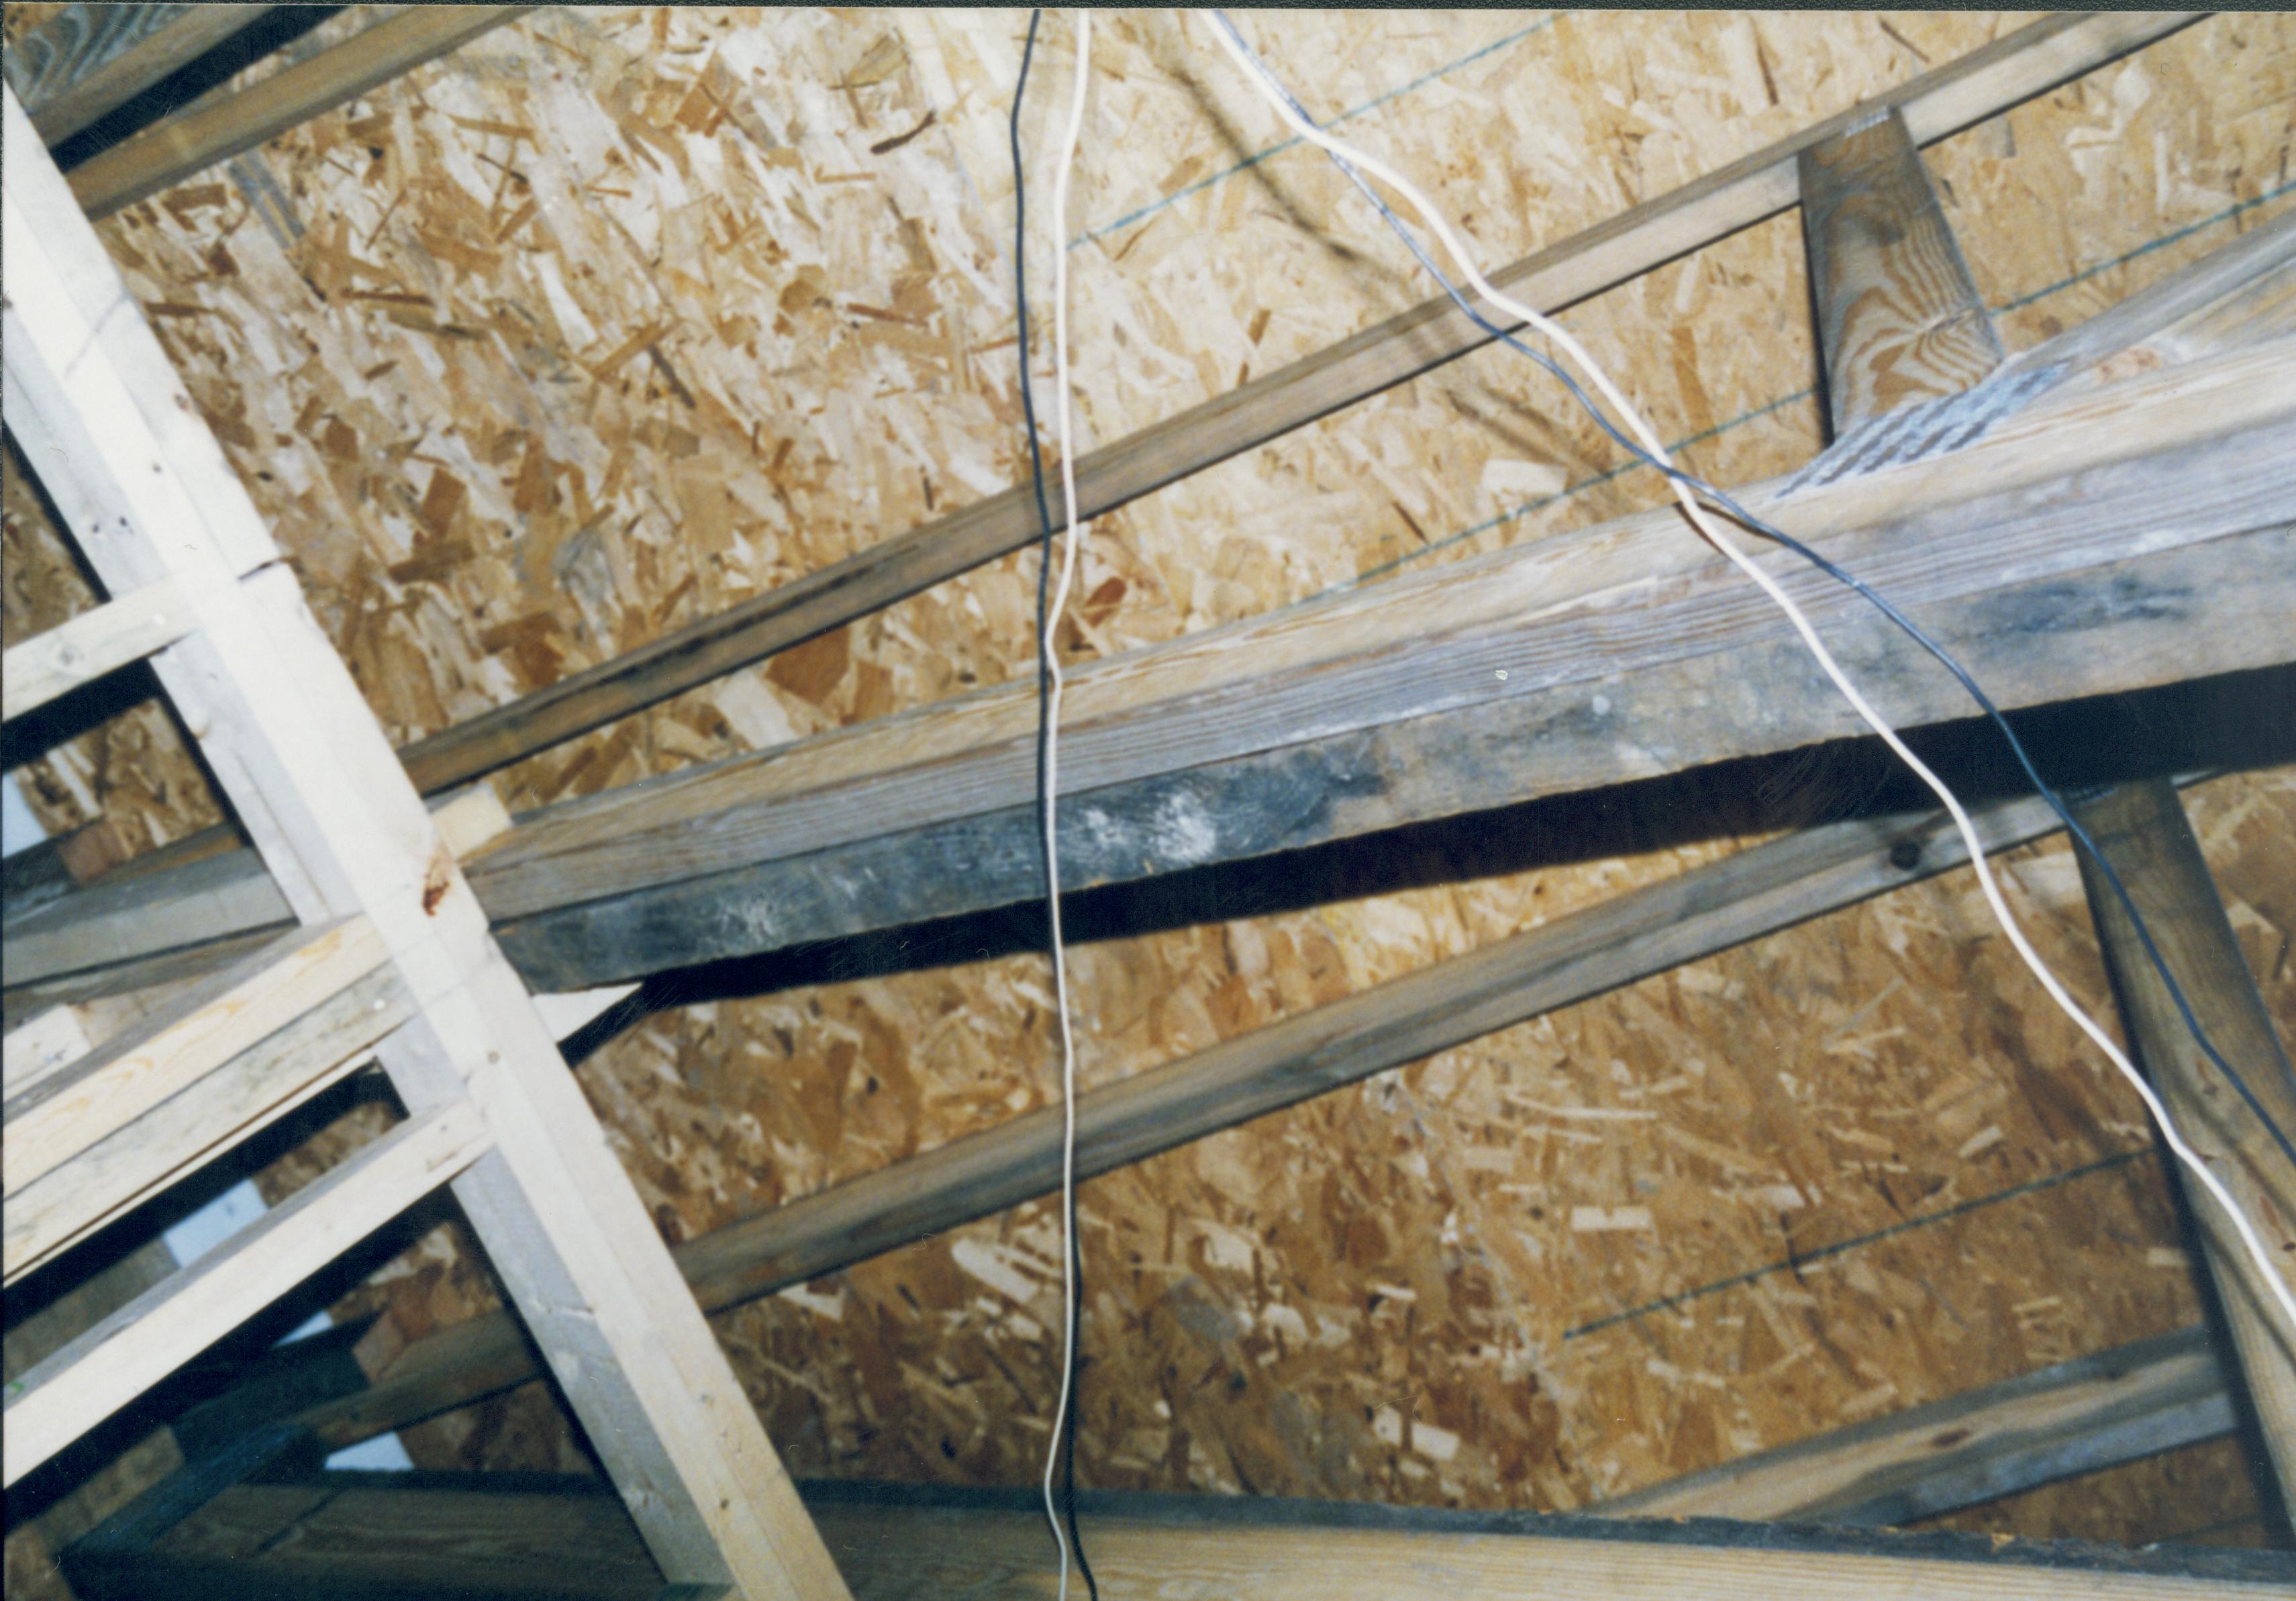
[1649, 930]
[2141, 828]
[87, 59]
[455, 1537]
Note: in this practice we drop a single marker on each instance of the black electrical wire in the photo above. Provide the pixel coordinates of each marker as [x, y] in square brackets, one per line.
[1833, 570]
[1044, 735]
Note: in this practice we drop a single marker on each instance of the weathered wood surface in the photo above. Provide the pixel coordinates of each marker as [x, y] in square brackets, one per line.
[462, 1536]
[61, 1397]
[2244, 292]
[1704, 910]
[2075, 1417]
[1898, 319]
[90, 59]
[89, 646]
[174, 149]
[2142, 830]
[1983, 84]
[2101, 540]
[1613, 655]
[103, 419]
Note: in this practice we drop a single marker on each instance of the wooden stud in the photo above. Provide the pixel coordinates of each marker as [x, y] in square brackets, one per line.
[89, 646]
[90, 59]
[67, 1111]
[44, 1045]
[2142, 831]
[249, 1091]
[1899, 320]
[173, 150]
[144, 484]
[58, 1399]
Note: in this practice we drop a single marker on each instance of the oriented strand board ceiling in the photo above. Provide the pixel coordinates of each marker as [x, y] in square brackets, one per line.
[618, 316]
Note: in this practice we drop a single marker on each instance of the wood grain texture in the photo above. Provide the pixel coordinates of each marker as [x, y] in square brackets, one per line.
[91, 645]
[66, 1113]
[90, 59]
[1980, 85]
[2133, 1401]
[1898, 320]
[2141, 828]
[179, 1135]
[174, 149]
[393, 1536]
[146, 488]
[58, 1399]
[1701, 912]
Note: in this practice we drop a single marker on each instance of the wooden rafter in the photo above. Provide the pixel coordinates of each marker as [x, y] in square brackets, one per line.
[103, 420]
[90, 59]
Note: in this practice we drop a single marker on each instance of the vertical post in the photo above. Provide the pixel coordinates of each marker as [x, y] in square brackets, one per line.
[1898, 320]
[2142, 830]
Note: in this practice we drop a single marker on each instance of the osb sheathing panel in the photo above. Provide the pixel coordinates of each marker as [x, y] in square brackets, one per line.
[616, 317]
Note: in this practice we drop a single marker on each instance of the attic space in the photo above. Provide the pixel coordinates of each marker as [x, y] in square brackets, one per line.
[530, 597]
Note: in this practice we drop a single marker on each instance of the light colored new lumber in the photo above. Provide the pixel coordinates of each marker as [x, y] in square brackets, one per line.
[90, 59]
[1983, 84]
[2074, 1418]
[89, 646]
[59, 1399]
[2142, 830]
[248, 1091]
[67, 1111]
[309, 774]
[1898, 319]
[45, 1044]
[174, 149]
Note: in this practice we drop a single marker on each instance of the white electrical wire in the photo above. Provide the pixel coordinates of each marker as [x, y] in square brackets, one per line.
[1715, 536]
[1051, 657]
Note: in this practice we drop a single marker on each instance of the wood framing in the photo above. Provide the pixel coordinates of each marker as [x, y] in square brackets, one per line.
[91, 645]
[96, 1375]
[447, 1537]
[1898, 320]
[104, 420]
[91, 59]
[2112, 511]
[1983, 84]
[181, 145]
[2142, 830]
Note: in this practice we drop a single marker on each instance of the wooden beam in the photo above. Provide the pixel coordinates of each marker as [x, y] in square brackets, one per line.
[1983, 84]
[89, 646]
[1700, 912]
[460, 1536]
[90, 59]
[64, 1114]
[2142, 831]
[2075, 1417]
[43, 1046]
[248, 1090]
[173, 150]
[103, 420]
[1898, 319]
[58, 1399]
[2244, 292]
[2083, 549]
